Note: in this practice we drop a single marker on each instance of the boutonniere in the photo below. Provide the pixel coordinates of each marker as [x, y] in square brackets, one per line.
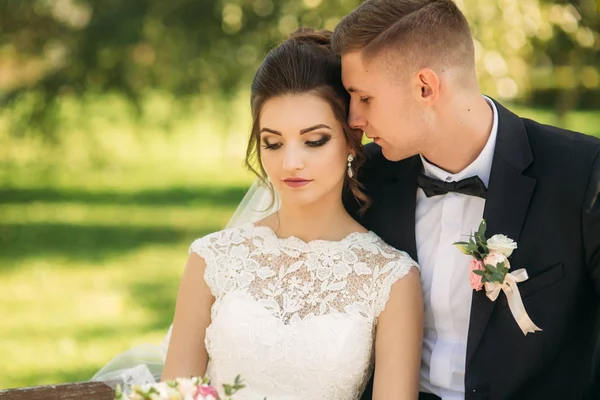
[489, 268]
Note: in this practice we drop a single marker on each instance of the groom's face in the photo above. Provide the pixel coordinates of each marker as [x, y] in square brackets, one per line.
[382, 105]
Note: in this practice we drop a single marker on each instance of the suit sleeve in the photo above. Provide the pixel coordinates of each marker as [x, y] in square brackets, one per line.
[591, 223]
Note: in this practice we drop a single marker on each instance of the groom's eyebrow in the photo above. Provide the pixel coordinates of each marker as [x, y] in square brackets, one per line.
[353, 88]
[356, 90]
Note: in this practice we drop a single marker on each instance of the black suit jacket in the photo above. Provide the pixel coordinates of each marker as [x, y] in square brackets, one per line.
[544, 193]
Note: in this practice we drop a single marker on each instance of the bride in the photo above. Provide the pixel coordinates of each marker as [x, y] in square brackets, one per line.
[304, 303]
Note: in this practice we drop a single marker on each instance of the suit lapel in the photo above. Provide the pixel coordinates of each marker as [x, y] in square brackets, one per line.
[509, 194]
[407, 202]
[393, 215]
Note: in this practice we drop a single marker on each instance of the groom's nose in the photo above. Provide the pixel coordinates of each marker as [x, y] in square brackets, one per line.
[356, 119]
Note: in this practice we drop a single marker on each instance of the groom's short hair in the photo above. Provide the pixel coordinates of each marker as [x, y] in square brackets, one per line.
[423, 31]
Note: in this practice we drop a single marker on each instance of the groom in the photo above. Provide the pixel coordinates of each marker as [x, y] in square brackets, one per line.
[409, 67]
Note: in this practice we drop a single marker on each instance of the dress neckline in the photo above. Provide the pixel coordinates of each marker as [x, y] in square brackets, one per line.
[350, 238]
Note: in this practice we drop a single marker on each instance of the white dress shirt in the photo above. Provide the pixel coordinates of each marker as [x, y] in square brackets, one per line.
[441, 221]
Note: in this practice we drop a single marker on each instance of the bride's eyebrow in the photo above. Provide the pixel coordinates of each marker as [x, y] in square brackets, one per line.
[273, 131]
[302, 131]
[313, 128]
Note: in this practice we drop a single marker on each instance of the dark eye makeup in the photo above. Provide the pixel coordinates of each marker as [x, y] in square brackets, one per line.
[310, 143]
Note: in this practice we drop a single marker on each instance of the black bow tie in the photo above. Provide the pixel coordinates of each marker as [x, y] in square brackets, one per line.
[472, 186]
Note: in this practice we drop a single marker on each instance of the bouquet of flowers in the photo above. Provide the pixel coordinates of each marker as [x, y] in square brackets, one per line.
[180, 389]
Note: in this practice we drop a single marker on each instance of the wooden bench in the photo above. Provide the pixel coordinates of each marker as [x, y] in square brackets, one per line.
[67, 391]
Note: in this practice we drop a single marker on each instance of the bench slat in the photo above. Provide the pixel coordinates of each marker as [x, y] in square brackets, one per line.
[67, 391]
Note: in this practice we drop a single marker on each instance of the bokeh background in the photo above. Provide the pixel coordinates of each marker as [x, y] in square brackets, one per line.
[123, 125]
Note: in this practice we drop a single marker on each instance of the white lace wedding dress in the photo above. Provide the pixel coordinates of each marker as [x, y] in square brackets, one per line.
[296, 320]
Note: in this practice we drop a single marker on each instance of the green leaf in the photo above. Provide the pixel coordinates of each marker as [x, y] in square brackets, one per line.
[238, 384]
[482, 228]
[484, 248]
[119, 393]
[463, 247]
[478, 238]
[472, 247]
[479, 272]
[491, 268]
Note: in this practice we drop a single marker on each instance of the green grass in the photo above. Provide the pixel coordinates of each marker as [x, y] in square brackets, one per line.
[93, 239]
[85, 275]
[587, 122]
[91, 252]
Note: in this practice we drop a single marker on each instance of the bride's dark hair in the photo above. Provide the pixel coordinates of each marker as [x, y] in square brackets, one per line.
[304, 63]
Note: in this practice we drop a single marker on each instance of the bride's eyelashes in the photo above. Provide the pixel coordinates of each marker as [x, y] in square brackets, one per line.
[271, 146]
[318, 143]
[310, 143]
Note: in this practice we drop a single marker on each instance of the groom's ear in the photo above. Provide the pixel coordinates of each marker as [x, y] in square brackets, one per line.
[428, 86]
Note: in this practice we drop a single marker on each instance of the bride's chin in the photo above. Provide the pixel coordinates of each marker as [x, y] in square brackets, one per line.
[299, 201]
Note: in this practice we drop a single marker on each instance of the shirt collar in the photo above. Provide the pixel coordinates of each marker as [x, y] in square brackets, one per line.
[481, 166]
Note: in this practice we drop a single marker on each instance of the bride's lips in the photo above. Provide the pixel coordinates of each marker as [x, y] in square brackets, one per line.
[297, 182]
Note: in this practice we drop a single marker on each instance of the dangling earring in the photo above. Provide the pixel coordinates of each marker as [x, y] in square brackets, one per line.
[350, 159]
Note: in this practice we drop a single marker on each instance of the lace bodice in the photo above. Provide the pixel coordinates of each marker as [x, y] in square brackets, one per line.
[295, 319]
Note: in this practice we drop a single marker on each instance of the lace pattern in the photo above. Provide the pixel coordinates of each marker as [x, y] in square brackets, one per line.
[294, 279]
[288, 312]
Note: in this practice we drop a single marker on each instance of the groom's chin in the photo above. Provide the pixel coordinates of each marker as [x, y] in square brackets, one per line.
[392, 154]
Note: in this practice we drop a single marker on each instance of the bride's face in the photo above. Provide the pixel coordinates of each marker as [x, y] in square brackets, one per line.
[303, 148]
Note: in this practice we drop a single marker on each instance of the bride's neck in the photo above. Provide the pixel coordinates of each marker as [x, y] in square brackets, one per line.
[326, 220]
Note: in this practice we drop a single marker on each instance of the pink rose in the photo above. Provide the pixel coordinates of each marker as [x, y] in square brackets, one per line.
[475, 279]
[495, 258]
[204, 391]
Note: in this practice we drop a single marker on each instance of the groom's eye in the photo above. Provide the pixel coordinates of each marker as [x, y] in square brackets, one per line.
[365, 100]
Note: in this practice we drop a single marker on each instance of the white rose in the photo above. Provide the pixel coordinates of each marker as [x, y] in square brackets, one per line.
[186, 388]
[502, 244]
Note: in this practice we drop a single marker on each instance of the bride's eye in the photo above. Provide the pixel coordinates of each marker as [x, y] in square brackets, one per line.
[271, 146]
[318, 143]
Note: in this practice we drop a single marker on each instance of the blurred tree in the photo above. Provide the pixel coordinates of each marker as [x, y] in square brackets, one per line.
[543, 50]
[50, 48]
[184, 47]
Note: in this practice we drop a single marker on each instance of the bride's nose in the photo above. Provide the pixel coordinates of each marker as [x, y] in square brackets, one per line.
[293, 158]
